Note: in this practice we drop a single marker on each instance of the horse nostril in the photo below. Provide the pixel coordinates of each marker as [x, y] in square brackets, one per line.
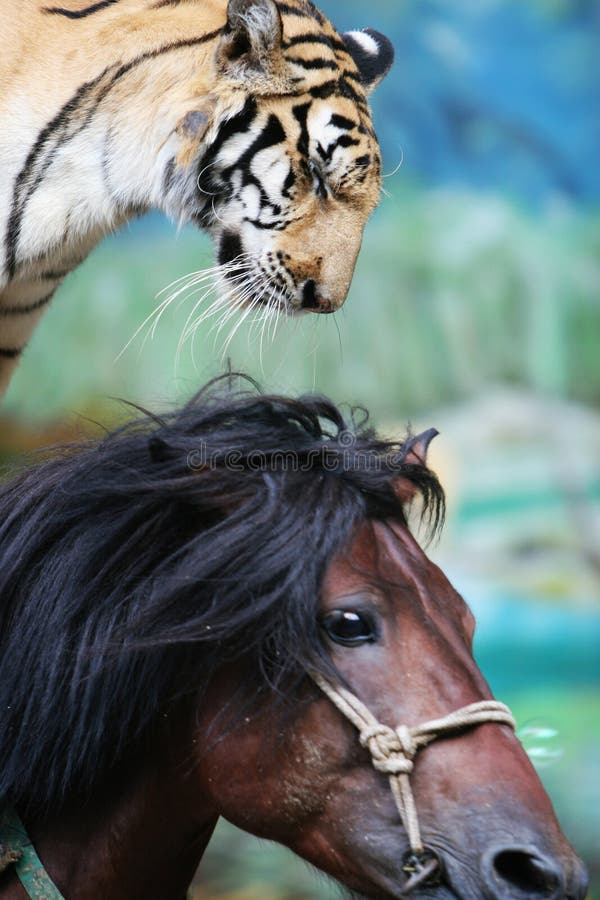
[515, 873]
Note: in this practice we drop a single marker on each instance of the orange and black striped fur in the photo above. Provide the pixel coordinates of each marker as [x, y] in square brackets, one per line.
[248, 118]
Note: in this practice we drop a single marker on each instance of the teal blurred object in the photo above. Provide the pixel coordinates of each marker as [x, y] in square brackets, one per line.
[522, 643]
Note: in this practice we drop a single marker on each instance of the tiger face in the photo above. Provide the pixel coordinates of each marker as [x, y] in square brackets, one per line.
[248, 118]
[290, 179]
[293, 204]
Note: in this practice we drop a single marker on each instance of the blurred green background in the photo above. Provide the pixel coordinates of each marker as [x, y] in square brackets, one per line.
[475, 308]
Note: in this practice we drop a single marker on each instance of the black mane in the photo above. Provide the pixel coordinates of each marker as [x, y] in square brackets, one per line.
[132, 567]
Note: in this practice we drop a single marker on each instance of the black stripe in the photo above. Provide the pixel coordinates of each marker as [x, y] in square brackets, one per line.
[346, 90]
[339, 121]
[59, 130]
[58, 274]
[29, 308]
[346, 141]
[313, 63]
[324, 91]
[343, 89]
[267, 226]
[317, 13]
[80, 14]
[10, 352]
[289, 183]
[272, 134]
[238, 124]
[288, 10]
[333, 43]
[301, 115]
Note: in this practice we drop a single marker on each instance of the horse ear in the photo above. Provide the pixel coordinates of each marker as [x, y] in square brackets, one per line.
[416, 455]
[373, 54]
[416, 451]
[250, 48]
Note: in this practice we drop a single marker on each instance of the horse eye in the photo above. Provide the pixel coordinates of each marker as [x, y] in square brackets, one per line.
[349, 628]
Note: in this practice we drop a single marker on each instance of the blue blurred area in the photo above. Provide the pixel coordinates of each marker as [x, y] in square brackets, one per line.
[523, 642]
[493, 94]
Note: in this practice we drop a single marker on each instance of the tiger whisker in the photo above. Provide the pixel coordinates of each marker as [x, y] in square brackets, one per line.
[218, 277]
[278, 312]
[398, 167]
[215, 213]
[224, 306]
[199, 178]
[243, 257]
[134, 335]
[237, 326]
[230, 289]
[191, 323]
[157, 315]
[208, 275]
[215, 284]
[266, 319]
[247, 292]
[222, 300]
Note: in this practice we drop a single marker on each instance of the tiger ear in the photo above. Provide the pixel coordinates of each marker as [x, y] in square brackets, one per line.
[250, 49]
[373, 54]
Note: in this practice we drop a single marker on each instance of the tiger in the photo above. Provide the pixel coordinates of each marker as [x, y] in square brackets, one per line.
[247, 118]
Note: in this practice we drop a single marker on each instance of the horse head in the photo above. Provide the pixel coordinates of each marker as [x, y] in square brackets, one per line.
[223, 612]
[400, 637]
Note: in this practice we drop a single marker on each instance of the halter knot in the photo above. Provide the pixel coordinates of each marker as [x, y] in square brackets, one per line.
[410, 747]
[392, 751]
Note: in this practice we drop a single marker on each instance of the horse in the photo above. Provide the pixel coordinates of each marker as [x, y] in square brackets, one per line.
[222, 611]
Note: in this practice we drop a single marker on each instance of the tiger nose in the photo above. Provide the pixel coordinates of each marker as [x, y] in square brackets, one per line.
[311, 299]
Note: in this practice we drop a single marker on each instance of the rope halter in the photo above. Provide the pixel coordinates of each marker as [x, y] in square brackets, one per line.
[393, 750]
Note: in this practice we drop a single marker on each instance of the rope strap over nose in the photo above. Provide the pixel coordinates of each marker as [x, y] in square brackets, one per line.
[393, 750]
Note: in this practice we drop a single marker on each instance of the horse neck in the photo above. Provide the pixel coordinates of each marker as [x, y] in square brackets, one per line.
[142, 835]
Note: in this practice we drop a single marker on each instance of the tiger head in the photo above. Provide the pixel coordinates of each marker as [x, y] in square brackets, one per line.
[247, 117]
[290, 168]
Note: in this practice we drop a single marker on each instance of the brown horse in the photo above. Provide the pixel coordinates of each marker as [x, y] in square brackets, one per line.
[170, 596]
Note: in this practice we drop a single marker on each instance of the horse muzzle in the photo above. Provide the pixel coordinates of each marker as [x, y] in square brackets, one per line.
[526, 873]
[508, 872]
